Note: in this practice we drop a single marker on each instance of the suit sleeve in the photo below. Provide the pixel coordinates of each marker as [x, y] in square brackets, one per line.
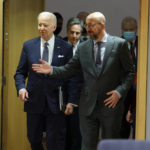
[128, 69]
[22, 71]
[69, 69]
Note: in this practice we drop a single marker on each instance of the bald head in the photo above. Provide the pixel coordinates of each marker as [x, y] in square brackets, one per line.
[95, 25]
[51, 17]
[97, 16]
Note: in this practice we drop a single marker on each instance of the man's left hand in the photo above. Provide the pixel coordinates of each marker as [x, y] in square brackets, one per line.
[69, 109]
[112, 100]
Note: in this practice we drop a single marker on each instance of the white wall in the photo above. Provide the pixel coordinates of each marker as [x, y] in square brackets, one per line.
[114, 11]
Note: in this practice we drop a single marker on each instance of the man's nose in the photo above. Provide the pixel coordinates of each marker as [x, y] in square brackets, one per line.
[74, 34]
[42, 27]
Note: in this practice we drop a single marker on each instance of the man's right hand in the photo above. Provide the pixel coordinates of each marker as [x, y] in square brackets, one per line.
[23, 95]
[44, 68]
[129, 117]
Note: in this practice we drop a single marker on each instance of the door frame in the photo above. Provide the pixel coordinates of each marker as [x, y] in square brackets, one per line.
[142, 70]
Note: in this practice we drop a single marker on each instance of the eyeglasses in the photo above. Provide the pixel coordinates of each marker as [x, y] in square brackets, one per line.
[90, 25]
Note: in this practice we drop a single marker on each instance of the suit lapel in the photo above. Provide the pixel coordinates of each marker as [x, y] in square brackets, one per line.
[90, 57]
[35, 50]
[109, 46]
[58, 51]
[55, 52]
[38, 48]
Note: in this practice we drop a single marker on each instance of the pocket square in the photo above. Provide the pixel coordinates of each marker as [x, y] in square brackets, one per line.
[60, 56]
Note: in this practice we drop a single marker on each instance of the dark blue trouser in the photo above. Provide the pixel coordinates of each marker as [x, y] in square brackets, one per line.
[55, 130]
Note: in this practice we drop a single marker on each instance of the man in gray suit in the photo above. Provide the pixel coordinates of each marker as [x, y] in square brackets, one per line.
[103, 59]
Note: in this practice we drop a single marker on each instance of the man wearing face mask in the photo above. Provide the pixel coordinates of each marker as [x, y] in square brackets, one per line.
[129, 32]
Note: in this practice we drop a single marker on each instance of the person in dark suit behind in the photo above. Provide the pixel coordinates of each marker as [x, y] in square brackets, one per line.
[129, 32]
[102, 59]
[82, 16]
[41, 95]
[59, 23]
[73, 140]
[74, 31]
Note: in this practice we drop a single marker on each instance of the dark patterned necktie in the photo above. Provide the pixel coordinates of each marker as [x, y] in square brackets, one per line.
[98, 56]
[45, 55]
[132, 50]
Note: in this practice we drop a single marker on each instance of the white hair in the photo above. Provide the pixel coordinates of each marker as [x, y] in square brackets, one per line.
[51, 16]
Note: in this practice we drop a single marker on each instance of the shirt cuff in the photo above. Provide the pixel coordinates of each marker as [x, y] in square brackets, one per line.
[51, 73]
[118, 94]
[21, 90]
[74, 105]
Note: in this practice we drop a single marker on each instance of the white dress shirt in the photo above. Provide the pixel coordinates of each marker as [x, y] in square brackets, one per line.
[50, 46]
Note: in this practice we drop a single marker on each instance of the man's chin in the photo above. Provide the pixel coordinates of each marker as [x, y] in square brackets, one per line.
[43, 37]
[42, 34]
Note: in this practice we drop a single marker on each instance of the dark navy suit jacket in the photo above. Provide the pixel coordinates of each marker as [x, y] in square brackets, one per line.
[78, 77]
[42, 89]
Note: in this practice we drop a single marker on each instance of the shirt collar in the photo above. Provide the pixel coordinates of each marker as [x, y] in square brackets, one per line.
[75, 44]
[51, 40]
[104, 39]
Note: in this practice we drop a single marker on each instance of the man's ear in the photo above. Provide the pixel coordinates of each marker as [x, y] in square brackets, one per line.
[103, 26]
[54, 27]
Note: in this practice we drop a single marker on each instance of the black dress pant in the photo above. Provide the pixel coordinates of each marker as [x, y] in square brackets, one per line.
[73, 137]
[54, 126]
[90, 128]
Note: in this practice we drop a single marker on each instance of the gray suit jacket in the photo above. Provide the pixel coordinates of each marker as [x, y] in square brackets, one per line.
[117, 61]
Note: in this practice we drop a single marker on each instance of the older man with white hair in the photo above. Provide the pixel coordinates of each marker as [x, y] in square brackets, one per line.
[41, 95]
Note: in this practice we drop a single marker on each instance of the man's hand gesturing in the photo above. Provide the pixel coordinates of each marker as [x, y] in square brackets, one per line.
[44, 68]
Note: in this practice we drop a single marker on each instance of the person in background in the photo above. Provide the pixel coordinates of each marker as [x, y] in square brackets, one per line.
[102, 59]
[82, 16]
[74, 32]
[41, 95]
[59, 23]
[73, 140]
[129, 32]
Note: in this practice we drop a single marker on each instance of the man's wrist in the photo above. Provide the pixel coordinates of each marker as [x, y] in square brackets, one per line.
[74, 105]
[119, 95]
[51, 70]
[22, 90]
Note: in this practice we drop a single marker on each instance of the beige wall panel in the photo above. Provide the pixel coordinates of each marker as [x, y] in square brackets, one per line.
[142, 70]
[21, 25]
